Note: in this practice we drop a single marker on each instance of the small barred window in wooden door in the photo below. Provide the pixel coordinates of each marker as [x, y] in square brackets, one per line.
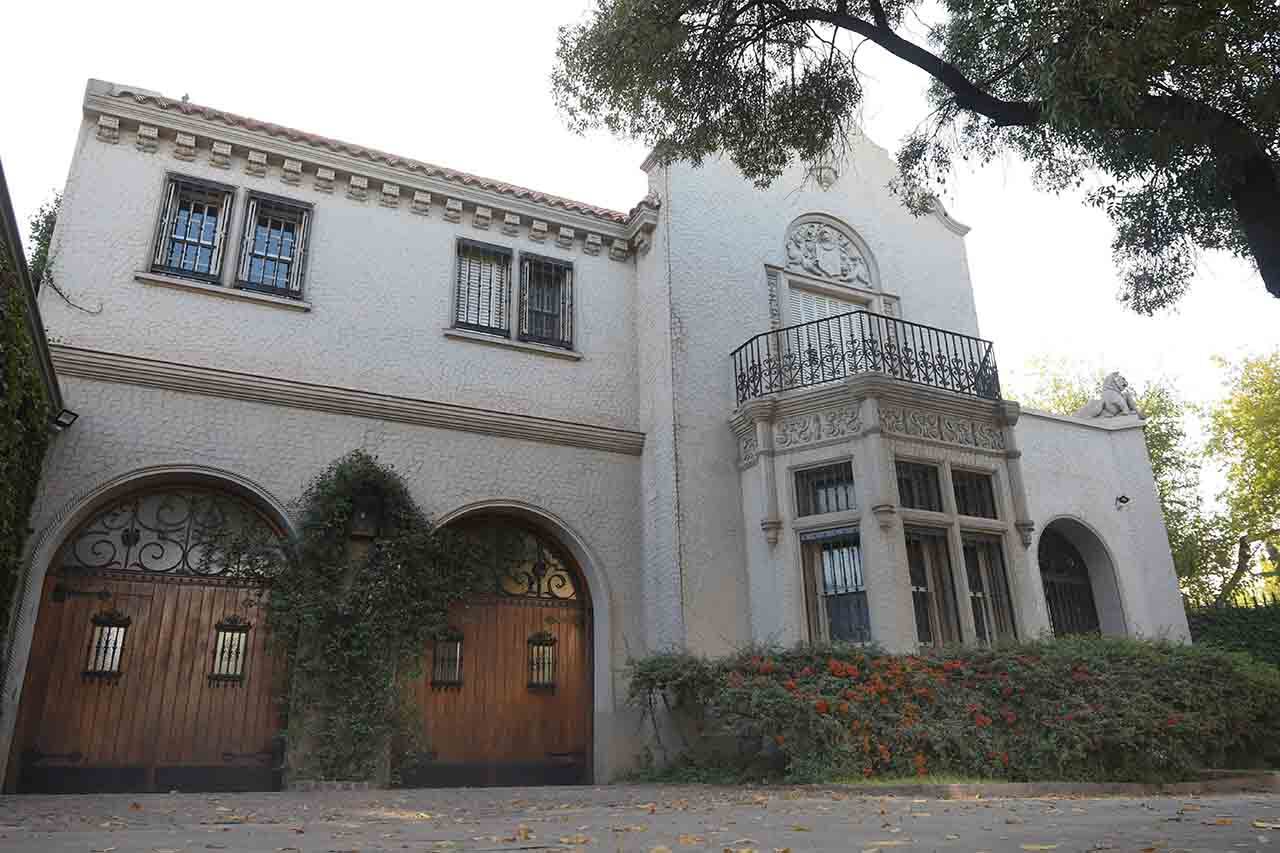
[542, 661]
[230, 648]
[446, 660]
[546, 301]
[106, 645]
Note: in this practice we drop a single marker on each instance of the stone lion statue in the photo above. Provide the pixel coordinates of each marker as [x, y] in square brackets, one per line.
[1117, 400]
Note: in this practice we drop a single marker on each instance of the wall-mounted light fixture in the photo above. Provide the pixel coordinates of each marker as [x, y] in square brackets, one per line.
[64, 419]
[1122, 501]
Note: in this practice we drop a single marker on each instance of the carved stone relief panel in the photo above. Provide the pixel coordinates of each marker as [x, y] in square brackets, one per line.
[800, 430]
[821, 249]
[748, 450]
[918, 423]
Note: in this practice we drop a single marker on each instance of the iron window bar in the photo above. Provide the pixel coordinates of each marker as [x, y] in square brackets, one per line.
[546, 301]
[828, 488]
[106, 645]
[446, 659]
[975, 494]
[273, 247]
[190, 236]
[482, 288]
[834, 348]
[542, 661]
[230, 651]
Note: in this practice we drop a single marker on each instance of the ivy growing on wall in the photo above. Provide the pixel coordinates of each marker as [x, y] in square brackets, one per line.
[355, 613]
[1255, 630]
[24, 431]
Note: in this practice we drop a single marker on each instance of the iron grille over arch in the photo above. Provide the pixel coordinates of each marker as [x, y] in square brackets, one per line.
[1067, 587]
[179, 530]
[523, 562]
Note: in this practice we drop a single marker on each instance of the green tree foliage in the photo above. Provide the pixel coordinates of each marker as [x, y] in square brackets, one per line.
[1088, 709]
[41, 237]
[24, 429]
[355, 620]
[1245, 437]
[1167, 108]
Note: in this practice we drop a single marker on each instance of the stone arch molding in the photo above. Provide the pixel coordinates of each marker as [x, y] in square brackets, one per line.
[46, 543]
[823, 247]
[601, 596]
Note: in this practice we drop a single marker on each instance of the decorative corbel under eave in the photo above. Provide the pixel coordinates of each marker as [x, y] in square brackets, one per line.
[1007, 414]
[642, 222]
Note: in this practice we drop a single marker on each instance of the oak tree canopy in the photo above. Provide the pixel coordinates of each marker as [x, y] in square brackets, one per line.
[1166, 112]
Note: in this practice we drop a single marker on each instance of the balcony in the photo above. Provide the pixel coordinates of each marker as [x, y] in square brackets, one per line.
[835, 348]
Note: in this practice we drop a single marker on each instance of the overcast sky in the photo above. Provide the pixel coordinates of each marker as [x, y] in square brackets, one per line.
[466, 85]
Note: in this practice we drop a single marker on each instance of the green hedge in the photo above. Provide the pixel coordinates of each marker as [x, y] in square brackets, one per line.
[24, 432]
[1255, 630]
[1095, 709]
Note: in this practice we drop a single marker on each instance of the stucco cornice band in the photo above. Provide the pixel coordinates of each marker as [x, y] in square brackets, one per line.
[191, 379]
[408, 180]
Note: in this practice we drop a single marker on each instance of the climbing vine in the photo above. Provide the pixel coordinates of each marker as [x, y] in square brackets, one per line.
[355, 615]
[24, 430]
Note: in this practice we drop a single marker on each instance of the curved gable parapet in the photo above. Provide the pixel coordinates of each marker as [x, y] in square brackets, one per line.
[824, 247]
[953, 225]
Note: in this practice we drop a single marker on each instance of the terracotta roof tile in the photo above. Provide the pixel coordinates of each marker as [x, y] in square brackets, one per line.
[376, 156]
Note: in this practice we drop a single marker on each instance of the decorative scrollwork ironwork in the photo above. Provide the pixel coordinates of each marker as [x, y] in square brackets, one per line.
[524, 563]
[186, 531]
[862, 342]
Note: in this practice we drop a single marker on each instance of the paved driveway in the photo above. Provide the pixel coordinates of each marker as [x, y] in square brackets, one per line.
[632, 818]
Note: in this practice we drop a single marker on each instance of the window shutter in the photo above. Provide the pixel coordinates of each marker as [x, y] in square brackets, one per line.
[566, 308]
[299, 253]
[166, 222]
[525, 268]
[215, 264]
[246, 242]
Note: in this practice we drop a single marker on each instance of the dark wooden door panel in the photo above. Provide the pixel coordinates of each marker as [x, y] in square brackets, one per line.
[161, 716]
[494, 729]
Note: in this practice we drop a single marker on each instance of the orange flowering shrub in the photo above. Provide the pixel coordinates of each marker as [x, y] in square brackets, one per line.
[1075, 709]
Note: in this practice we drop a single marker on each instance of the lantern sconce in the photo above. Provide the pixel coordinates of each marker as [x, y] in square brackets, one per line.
[366, 516]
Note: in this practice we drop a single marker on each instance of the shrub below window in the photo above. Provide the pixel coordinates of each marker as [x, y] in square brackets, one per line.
[1088, 709]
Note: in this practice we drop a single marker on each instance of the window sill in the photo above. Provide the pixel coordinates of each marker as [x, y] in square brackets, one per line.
[976, 523]
[159, 280]
[819, 521]
[493, 340]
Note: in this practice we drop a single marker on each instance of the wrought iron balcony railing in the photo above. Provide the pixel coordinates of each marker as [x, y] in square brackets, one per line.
[861, 342]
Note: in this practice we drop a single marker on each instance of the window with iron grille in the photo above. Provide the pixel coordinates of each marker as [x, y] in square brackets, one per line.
[833, 562]
[933, 589]
[106, 645]
[988, 589]
[542, 661]
[273, 249]
[482, 288]
[825, 489]
[546, 301]
[918, 486]
[192, 230]
[446, 659]
[975, 494]
[230, 649]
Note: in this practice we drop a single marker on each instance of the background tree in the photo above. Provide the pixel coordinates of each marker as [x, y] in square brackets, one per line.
[40, 236]
[1169, 109]
[1245, 436]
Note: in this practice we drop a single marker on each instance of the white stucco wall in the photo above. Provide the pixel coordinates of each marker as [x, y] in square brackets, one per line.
[380, 281]
[593, 495]
[721, 232]
[1076, 470]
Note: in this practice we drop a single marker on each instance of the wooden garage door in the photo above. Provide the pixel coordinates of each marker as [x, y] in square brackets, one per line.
[505, 698]
[150, 668]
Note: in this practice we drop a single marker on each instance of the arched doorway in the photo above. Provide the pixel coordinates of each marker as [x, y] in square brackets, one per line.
[505, 697]
[1079, 581]
[150, 668]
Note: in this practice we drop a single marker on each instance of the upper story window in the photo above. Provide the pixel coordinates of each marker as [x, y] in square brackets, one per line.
[192, 231]
[546, 301]
[918, 486]
[483, 288]
[274, 245]
[825, 489]
[974, 493]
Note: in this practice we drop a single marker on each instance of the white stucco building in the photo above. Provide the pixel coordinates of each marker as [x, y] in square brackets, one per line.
[744, 415]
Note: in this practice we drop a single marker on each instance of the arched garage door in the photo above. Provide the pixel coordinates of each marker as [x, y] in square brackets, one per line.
[150, 668]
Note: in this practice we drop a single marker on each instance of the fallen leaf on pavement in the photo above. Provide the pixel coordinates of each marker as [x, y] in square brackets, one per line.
[1039, 847]
[575, 839]
[689, 841]
[1262, 824]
